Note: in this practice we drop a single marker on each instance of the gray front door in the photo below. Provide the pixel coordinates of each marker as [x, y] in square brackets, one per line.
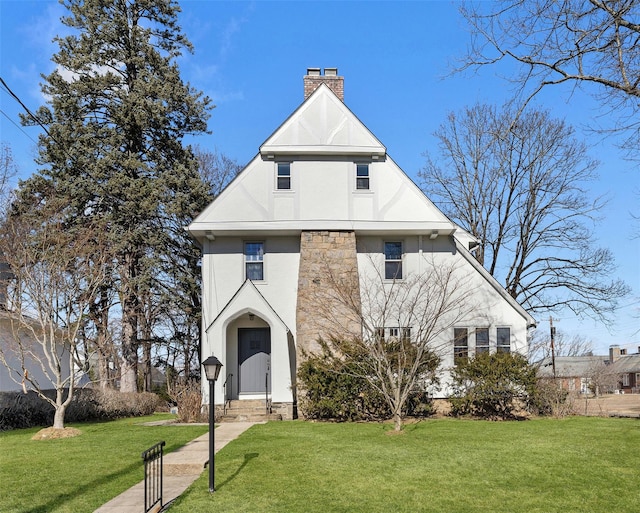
[254, 358]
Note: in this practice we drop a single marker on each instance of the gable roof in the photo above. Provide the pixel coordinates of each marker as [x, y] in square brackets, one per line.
[322, 125]
[488, 277]
[248, 299]
[571, 366]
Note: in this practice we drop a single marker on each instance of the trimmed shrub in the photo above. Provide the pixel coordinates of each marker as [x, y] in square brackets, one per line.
[18, 410]
[493, 386]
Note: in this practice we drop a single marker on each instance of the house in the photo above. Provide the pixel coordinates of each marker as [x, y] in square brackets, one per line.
[21, 355]
[575, 373]
[626, 367]
[323, 198]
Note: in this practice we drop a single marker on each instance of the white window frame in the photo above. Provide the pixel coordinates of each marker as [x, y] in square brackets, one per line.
[484, 348]
[363, 179]
[248, 260]
[625, 379]
[457, 347]
[502, 348]
[285, 177]
[398, 262]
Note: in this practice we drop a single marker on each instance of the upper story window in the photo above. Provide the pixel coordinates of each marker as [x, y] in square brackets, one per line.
[254, 260]
[482, 340]
[283, 178]
[362, 177]
[391, 333]
[460, 344]
[393, 260]
[503, 340]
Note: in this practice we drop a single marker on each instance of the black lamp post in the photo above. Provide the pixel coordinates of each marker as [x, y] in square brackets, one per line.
[212, 368]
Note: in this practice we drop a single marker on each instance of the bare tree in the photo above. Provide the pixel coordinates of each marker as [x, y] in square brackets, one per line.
[216, 169]
[405, 326]
[576, 42]
[7, 172]
[55, 276]
[540, 345]
[520, 187]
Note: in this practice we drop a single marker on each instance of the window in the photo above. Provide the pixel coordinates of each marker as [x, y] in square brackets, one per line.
[638, 379]
[504, 340]
[482, 340]
[393, 333]
[254, 260]
[460, 344]
[393, 260]
[625, 380]
[362, 176]
[283, 180]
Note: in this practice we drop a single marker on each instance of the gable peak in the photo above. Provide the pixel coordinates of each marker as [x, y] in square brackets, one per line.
[315, 77]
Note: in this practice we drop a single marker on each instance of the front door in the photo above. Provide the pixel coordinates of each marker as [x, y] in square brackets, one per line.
[254, 358]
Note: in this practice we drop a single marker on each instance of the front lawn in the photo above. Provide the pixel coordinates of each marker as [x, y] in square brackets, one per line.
[79, 474]
[573, 465]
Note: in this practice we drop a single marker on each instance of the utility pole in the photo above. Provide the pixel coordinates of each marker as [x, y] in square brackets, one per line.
[553, 346]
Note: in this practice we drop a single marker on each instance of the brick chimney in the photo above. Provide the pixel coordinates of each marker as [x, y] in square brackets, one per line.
[315, 77]
[614, 353]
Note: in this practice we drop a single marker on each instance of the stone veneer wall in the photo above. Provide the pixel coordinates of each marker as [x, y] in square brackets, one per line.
[328, 289]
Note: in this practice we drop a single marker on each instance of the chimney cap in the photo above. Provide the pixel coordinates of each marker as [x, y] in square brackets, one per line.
[330, 72]
[314, 72]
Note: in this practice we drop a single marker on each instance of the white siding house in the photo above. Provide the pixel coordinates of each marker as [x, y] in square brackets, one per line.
[323, 187]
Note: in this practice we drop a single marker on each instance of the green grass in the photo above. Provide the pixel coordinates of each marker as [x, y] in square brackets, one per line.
[574, 465]
[80, 474]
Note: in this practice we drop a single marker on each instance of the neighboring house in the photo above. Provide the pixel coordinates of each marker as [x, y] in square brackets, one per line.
[627, 369]
[322, 193]
[574, 373]
[16, 365]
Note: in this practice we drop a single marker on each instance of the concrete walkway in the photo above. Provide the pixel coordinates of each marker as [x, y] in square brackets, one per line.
[181, 468]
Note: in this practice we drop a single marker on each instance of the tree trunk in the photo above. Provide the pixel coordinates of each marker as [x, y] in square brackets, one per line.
[58, 417]
[397, 421]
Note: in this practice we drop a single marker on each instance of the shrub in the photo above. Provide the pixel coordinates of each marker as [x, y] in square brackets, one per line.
[18, 410]
[493, 386]
[333, 388]
[188, 398]
[551, 399]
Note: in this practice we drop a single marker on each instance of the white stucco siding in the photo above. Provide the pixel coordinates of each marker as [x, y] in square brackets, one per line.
[224, 272]
[481, 305]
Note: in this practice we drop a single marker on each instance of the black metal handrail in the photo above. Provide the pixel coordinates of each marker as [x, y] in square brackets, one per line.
[153, 476]
[227, 397]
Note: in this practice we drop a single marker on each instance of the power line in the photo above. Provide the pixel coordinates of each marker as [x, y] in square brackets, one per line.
[26, 109]
[18, 126]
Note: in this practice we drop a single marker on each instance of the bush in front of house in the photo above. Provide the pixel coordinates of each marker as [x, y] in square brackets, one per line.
[493, 386]
[331, 388]
[19, 411]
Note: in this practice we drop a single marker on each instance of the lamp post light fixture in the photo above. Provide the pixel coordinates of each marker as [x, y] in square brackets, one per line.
[212, 368]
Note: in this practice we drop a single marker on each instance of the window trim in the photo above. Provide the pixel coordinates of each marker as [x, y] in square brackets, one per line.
[287, 176]
[503, 348]
[246, 261]
[398, 262]
[626, 379]
[484, 348]
[364, 178]
[457, 348]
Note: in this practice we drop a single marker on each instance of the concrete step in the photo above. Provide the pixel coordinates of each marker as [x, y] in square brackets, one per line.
[249, 417]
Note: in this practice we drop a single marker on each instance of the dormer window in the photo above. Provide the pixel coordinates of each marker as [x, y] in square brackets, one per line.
[362, 177]
[283, 178]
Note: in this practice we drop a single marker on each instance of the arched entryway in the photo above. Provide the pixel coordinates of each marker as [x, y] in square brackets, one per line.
[254, 361]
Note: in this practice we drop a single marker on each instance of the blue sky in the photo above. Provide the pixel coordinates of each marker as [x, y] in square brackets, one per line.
[250, 58]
